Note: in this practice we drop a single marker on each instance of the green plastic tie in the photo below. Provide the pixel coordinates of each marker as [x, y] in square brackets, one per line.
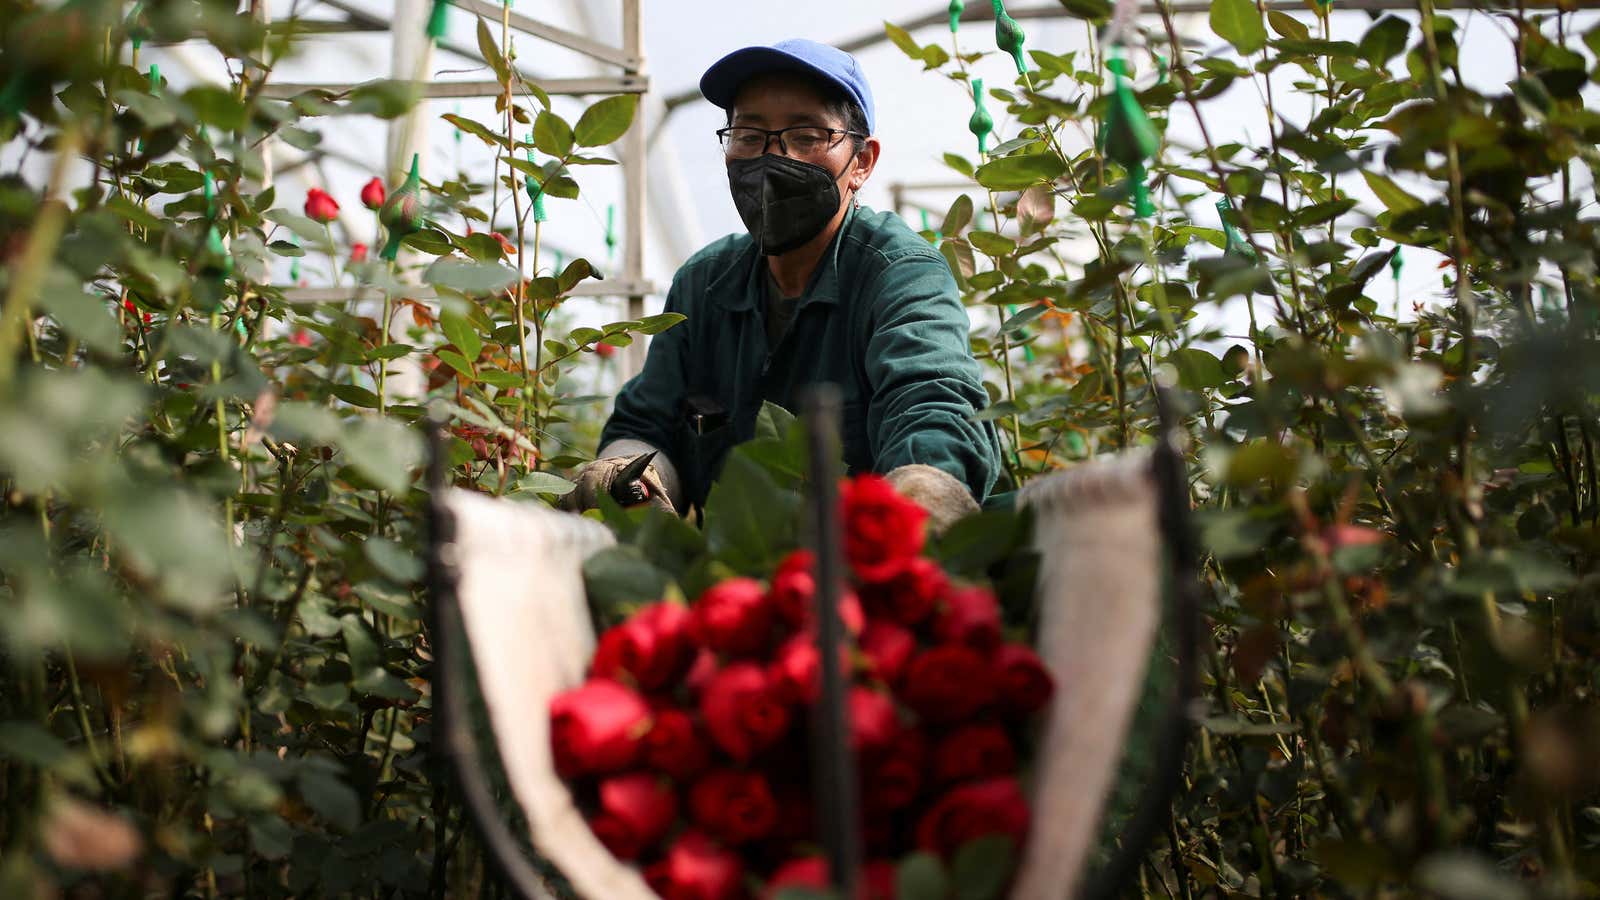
[611, 231]
[439, 20]
[155, 80]
[1396, 264]
[981, 124]
[1234, 243]
[401, 214]
[135, 33]
[457, 131]
[219, 262]
[1128, 136]
[209, 191]
[956, 9]
[1009, 37]
[238, 327]
[535, 193]
[1161, 69]
[294, 271]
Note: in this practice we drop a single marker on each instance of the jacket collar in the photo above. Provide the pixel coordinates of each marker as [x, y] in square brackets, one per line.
[743, 280]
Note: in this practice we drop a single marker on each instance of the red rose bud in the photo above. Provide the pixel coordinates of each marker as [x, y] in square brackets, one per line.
[320, 206]
[372, 193]
[358, 252]
[734, 807]
[894, 779]
[972, 811]
[696, 868]
[910, 594]
[873, 722]
[652, 648]
[596, 729]
[705, 665]
[797, 671]
[742, 711]
[675, 746]
[1024, 684]
[887, 648]
[794, 588]
[948, 683]
[970, 616]
[733, 617]
[810, 872]
[605, 351]
[300, 338]
[506, 247]
[881, 528]
[973, 752]
[635, 812]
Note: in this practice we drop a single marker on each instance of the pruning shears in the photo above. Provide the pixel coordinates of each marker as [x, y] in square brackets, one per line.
[629, 488]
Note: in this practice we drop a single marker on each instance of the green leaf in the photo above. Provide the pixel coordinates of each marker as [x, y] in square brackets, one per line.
[991, 244]
[476, 129]
[545, 483]
[330, 798]
[959, 216]
[470, 278]
[921, 875]
[1197, 369]
[1385, 40]
[460, 331]
[1239, 23]
[575, 272]
[355, 395]
[983, 867]
[460, 363]
[1015, 173]
[384, 450]
[1394, 198]
[490, 50]
[392, 560]
[658, 323]
[1019, 322]
[1288, 26]
[83, 316]
[621, 576]
[552, 134]
[750, 521]
[604, 122]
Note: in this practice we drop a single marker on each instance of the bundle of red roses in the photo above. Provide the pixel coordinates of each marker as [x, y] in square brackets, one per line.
[687, 746]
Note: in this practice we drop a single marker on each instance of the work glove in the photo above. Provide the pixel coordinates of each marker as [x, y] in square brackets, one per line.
[599, 477]
[935, 490]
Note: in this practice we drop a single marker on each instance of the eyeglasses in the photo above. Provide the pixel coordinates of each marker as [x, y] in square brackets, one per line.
[800, 141]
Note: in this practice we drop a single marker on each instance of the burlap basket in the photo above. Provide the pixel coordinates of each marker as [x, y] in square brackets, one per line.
[518, 580]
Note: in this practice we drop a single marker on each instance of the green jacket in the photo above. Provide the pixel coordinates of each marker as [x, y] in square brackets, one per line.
[881, 318]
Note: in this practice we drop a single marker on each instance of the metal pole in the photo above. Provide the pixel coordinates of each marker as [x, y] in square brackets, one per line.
[634, 185]
[833, 766]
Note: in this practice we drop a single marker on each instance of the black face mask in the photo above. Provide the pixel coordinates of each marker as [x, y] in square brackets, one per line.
[784, 202]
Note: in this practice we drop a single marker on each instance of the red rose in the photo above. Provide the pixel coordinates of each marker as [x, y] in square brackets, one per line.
[320, 206]
[696, 868]
[675, 746]
[881, 528]
[878, 880]
[910, 593]
[794, 588]
[947, 683]
[873, 722]
[652, 648]
[893, 779]
[733, 617]
[972, 752]
[358, 252]
[887, 648]
[807, 872]
[700, 671]
[1023, 682]
[973, 811]
[300, 338]
[372, 194]
[969, 616]
[742, 711]
[635, 812]
[595, 729]
[605, 351]
[735, 807]
[797, 670]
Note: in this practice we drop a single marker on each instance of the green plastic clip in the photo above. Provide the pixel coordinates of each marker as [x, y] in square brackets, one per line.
[1396, 264]
[611, 231]
[155, 80]
[209, 191]
[401, 214]
[1009, 37]
[1234, 243]
[1128, 136]
[218, 261]
[535, 194]
[956, 9]
[439, 20]
[981, 124]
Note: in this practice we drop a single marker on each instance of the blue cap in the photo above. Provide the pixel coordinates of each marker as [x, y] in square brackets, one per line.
[721, 82]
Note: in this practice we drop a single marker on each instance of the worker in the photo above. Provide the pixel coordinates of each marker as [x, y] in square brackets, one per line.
[821, 289]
